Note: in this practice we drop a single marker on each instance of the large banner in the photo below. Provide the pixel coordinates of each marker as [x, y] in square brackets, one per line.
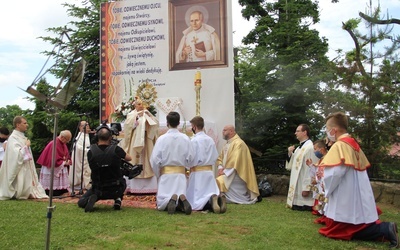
[177, 55]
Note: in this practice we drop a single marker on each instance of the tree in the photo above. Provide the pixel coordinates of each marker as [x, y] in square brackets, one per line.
[280, 76]
[82, 35]
[41, 120]
[371, 77]
[7, 115]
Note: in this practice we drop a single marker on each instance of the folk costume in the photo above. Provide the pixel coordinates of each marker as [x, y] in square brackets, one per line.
[300, 179]
[18, 176]
[62, 161]
[239, 181]
[202, 184]
[140, 134]
[171, 156]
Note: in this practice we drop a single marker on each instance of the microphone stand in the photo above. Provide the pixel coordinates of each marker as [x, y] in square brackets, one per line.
[74, 157]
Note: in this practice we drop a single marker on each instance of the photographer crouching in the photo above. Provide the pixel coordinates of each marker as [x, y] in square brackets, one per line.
[105, 161]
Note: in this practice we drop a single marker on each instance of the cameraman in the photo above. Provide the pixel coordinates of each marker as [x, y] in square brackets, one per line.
[107, 180]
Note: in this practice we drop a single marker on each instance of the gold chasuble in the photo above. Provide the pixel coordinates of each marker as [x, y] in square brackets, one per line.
[347, 152]
[239, 158]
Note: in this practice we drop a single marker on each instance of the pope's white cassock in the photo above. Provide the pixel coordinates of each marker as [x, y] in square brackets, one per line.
[202, 184]
[171, 156]
[205, 36]
[18, 176]
[300, 179]
[79, 152]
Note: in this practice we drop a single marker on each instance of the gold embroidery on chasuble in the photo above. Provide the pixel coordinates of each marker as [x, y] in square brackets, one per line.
[299, 159]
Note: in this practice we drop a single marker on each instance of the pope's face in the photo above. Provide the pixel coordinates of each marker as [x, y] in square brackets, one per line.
[195, 21]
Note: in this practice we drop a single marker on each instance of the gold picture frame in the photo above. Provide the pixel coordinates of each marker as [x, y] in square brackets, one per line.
[214, 17]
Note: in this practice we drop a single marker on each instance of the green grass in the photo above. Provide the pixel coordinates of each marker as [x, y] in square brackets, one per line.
[265, 225]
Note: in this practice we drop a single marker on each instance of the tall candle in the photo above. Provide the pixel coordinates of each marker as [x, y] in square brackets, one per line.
[197, 78]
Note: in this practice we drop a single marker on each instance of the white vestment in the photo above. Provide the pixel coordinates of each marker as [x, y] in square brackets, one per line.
[18, 176]
[237, 192]
[300, 179]
[1, 150]
[78, 153]
[202, 184]
[172, 149]
[140, 134]
[350, 196]
[205, 36]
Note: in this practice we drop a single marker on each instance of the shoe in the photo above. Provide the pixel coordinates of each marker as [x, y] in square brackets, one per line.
[117, 204]
[90, 204]
[222, 203]
[214, 204]
[171, 207]
[393, 235]
[184, 204]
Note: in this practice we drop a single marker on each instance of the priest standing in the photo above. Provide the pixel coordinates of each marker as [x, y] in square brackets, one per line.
[79, 174]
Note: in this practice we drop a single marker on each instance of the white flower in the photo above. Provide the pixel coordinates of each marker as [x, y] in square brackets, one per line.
[118, 108]
[126, 111]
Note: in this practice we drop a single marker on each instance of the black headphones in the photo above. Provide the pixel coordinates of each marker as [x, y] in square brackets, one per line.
[103, 125]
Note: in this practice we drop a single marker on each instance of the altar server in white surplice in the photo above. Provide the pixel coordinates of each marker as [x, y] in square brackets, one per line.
[299, 194]
[203, 191]
[171, 155]
[18, 176]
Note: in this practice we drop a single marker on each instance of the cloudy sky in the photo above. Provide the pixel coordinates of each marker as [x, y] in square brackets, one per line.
[25, 20]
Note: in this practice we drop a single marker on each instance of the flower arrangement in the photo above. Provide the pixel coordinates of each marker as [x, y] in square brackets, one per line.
[123, 109]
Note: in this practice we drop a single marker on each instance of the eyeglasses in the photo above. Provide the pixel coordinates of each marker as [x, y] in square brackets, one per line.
[66, 140]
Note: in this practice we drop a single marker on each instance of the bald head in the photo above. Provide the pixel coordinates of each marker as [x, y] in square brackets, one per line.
[228, 132]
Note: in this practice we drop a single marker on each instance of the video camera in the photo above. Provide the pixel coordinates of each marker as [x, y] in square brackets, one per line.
[129, 170]
[114, 128]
